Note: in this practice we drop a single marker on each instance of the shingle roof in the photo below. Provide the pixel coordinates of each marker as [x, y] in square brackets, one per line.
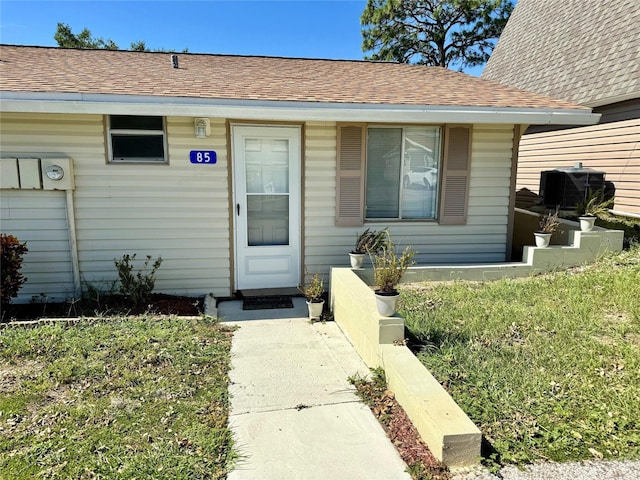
[585, 51]
[55, 70]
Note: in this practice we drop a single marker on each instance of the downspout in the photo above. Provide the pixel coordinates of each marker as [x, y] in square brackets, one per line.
[518, 130]
[73, 243]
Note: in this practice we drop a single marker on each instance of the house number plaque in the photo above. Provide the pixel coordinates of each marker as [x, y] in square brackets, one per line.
[202, 156]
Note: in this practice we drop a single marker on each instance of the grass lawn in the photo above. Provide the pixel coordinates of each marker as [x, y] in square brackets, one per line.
[139, 397]
[547, 367]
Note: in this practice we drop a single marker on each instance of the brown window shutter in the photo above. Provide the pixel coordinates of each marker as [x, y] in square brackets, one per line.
[350, 178]
[456, 175]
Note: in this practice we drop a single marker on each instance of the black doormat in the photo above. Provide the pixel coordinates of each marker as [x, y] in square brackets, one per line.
[266, 303]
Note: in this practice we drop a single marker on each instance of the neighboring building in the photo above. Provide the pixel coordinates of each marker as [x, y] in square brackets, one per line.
[245, 172]
[587, 52]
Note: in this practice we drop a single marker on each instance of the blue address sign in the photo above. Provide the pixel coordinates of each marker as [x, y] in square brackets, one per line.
[203, 156]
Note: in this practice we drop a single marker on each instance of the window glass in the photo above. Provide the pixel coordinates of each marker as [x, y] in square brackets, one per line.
[420, 172]
[137, 147]
[402, 172]
[134, 122]
[384, 151]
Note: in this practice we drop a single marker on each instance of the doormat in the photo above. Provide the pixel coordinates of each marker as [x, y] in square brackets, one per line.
[266, 303]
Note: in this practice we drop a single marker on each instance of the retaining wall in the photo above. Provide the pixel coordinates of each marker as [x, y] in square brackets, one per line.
[446, 429]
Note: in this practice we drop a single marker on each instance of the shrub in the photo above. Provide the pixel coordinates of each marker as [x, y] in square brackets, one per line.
[595, 204]
[136, 288]
[549, 222]
[388, 267]
[371, 241]
[11, 252]
[314, 289]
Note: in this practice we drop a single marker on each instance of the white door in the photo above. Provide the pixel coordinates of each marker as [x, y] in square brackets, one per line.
[267, 206]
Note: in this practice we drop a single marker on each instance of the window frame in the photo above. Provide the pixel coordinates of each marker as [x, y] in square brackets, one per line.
[439, 162]
[133, 132]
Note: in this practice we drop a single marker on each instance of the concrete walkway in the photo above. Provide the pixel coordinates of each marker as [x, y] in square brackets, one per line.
[293, 413]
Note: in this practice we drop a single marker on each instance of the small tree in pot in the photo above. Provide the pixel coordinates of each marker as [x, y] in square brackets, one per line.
[313, 291]
[592, 207]
[388, 269]
[367, 242]
[548, 224]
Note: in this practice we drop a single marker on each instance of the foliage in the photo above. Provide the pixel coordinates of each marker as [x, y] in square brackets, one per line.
[433, 32]
[11, 252]
[594, 204]
[65, 38]
[388, 267]
[548, 367]
[370, 241]
[141, 397]
[314, 289]
[549, 222]
[136, 287]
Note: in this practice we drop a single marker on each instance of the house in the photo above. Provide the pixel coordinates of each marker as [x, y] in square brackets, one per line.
[246, 172]
[586, 52]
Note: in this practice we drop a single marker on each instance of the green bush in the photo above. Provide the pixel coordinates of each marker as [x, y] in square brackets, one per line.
[12, 280]
[136, 287]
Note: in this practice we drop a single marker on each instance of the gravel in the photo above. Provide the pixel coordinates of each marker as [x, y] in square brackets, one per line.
[592, 470]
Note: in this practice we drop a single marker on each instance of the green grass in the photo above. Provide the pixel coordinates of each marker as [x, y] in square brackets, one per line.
[547, 367]
[137, 397]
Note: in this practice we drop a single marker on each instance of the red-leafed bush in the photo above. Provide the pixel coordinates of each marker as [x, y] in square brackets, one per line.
[11, 251]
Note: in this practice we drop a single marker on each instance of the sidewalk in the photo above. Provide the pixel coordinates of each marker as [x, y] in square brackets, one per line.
[293, 413]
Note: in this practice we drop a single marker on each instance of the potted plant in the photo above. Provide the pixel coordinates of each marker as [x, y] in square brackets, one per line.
[388, 269]
[367, 242]
[313, 291]
[593, 206]
[549, 223]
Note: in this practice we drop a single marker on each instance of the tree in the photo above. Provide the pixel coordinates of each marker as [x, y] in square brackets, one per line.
[67, 39]
[445, 33]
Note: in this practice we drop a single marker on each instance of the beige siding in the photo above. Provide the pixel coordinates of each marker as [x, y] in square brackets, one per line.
[39, 217]
[482, 239]
[177, 211]
[180, 211]
[612, 147]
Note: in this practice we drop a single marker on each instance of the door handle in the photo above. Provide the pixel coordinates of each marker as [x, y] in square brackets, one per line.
[238, 209]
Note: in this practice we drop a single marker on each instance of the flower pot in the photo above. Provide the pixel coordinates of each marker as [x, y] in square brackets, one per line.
[386, 304]
[586, 223]
[315, 309]
[356, 259]
[542, 239]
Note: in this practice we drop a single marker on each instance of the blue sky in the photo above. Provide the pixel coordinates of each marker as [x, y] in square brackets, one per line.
[300, 28]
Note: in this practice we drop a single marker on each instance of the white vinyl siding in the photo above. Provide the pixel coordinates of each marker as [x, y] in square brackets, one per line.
[39, 217]
[611, 147]
[481, 239]
[179, 211]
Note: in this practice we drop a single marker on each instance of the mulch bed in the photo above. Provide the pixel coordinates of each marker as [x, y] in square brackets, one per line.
[402, 433]
[156, 304]
[406, 439]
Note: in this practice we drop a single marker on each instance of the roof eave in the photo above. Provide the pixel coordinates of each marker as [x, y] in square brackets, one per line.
[80, 103]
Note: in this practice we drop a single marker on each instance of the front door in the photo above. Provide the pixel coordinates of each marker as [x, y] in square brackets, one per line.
[267, 206]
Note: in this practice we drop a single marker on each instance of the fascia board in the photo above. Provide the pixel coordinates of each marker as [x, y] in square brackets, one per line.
[36, 102]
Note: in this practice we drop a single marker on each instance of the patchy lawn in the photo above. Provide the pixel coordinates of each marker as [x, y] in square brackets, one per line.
[547, 367]
[137, 397]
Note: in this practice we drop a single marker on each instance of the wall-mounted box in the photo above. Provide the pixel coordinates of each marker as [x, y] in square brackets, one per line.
[30, 173]
[9, 177]
[57, 173]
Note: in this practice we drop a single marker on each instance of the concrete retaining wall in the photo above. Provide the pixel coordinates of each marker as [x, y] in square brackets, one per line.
[448, 432]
